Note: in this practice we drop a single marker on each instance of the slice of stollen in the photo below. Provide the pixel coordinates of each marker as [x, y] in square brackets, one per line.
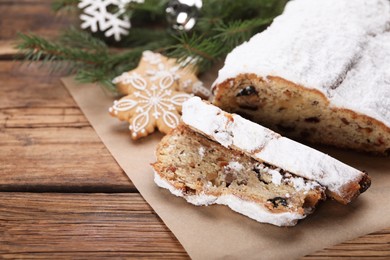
[343, 182]
[203, 172]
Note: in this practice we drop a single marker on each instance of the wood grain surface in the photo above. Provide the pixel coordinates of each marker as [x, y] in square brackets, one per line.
[62, 195]
[44, 136]
[83, 225]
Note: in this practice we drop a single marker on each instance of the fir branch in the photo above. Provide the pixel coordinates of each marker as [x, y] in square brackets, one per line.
[206, 24]
[35, 47]
[150, 6]
[113, 66]
[201, 51]
[233, 10]
[125, 60]
[141, 36]
[95, 64]
[230, 10]
[148, 13]
[59, 5]
[102, 76]
[132, 56]
[236, 32]
[80, 39]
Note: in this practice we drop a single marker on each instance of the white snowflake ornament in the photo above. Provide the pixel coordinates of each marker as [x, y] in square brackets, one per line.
[97, 17]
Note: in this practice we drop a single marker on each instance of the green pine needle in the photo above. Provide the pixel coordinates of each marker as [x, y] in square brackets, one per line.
[83, 40]
[201, 51]
[156, 7]
[236, 32]
[35, 47]
[64, 5]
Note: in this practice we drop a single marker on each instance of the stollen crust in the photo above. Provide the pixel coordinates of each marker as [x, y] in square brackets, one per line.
[318, 73]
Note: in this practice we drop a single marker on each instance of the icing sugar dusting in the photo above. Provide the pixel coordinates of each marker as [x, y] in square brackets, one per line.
[202, 151]
[300, 184]
[316, 44]
[276, 177]
[372, 73]
[236, 166]
[275, 173]
[272, 148]
[223, 129]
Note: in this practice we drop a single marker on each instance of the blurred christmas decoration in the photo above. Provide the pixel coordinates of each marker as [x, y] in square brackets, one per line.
[183, 14]
[97, 16]
[193, 32]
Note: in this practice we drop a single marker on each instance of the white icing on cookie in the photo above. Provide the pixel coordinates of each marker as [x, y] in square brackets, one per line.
[150, 101]
[156, 66]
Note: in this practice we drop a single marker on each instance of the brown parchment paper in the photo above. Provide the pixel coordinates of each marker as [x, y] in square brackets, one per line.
[216, 232]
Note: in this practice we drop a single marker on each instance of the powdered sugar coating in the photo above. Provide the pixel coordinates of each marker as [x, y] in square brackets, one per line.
[300, 184]
[201, 151]
[267, 146]
[250, 209]
[317, 44]
[213, 117]
[276, 177]
[235, 166]
[374, 94]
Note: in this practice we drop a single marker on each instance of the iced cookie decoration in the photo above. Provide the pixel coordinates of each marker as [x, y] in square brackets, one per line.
[156, 66]
[152, 102]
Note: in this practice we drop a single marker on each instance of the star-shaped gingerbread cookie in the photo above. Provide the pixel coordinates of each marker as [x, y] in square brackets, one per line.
[156, 66]
[151, 103]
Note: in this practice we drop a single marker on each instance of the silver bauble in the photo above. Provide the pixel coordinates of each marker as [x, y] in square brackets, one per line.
[182, 15]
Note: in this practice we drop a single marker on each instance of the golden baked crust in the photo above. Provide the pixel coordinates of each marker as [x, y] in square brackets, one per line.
[301, 113]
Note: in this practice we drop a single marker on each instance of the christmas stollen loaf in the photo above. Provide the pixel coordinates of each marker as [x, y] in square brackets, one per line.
[319, 73]
[215, 157]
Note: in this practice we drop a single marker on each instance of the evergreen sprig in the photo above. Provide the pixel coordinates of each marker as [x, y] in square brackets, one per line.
[236, 32]
[36, 47]
[221, 26]
[199, 50]
[82, 40]
[59, 5]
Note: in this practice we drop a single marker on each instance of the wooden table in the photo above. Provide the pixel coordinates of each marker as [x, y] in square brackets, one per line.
[62, 195]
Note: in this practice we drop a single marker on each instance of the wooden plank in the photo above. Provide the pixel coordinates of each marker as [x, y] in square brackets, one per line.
[42, 117]
[31, 86]
[58, 160]
[30, 16]
[7, 49]
[375, 245]
[114, 225]
[46, 143]
[83, 226]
